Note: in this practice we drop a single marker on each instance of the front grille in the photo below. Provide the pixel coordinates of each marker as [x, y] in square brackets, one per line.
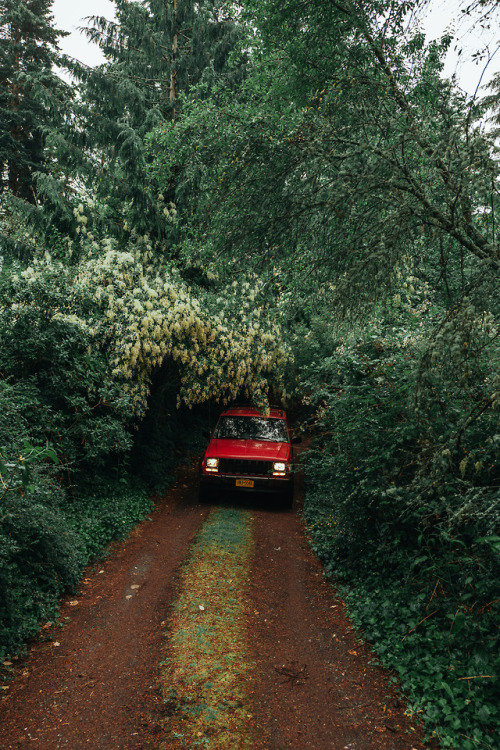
[245, 466]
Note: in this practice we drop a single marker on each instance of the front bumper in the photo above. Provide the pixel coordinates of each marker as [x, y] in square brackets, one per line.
[228, 482]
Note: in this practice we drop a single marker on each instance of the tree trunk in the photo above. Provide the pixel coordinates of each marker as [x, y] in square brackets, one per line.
[173, 74]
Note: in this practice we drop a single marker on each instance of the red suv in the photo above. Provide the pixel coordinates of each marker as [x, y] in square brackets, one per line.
[251, 453]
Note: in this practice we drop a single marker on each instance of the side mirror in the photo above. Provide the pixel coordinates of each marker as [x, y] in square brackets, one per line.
[296, 440]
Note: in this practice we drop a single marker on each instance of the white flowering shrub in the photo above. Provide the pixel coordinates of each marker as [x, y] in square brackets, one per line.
[223, 345]
[135, 312]
[79, 343]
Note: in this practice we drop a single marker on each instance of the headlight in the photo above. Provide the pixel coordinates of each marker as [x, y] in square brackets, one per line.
[212, 464]
[280, 469]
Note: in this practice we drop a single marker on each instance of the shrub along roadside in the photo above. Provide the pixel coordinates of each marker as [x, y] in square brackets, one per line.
[47, 539]
[406, 530]
[443, 645]
[52, 527]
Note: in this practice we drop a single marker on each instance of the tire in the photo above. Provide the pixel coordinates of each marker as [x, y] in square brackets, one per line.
[286, 500]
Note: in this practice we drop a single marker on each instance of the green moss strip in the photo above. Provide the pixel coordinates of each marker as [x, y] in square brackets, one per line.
[207, 676]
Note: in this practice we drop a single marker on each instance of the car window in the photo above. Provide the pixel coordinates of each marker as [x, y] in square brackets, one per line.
[252, 428]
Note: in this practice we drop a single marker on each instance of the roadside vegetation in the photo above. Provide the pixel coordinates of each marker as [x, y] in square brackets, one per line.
[293, 204]
[410, 539]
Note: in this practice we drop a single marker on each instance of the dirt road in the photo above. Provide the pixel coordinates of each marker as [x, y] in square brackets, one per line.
[94, 682]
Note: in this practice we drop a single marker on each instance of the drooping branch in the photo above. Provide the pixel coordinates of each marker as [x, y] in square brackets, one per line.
[469, 236]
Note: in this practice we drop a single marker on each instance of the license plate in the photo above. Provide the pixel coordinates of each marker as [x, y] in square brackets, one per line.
[244, 482]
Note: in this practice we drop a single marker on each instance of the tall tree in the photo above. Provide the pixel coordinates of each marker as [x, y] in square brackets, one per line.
[348, 143]
[32, 96]
[156, 51]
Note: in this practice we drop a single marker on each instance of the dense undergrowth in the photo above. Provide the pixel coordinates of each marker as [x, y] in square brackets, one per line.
[57, 518]
[411, 545]
[46, 540]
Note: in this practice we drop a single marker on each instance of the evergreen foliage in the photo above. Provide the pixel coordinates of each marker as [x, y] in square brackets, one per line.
[407, 526]
[32, 96]
[156, 52]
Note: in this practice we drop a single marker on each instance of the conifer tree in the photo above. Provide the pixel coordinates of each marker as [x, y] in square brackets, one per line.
[32, 96]
[155, 51]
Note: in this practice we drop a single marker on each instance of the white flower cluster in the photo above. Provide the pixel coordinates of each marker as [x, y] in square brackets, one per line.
[142, 313]
[145, 313]
[82, 221]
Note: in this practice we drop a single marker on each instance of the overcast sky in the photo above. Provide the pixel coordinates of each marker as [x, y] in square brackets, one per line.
[443, 14]
[69, 15]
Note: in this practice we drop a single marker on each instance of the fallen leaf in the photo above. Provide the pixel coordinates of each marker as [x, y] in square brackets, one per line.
[353, 653]
[202, 608]
[129, 596]
[4, 687]
[380, 729]
[74, 603]
[56, 643]
[135, 586]
[7, 663]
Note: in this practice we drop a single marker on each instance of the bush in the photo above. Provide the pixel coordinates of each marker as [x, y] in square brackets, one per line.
[406, 529]
[48, 532]
[46, 540]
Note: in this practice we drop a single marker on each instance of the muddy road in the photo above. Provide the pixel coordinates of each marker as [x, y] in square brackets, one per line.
[95, 680]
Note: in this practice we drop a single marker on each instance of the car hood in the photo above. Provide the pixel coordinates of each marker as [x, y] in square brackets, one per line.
[252, 449]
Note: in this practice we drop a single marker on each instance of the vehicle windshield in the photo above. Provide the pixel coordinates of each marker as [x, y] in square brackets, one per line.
[252, 428]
